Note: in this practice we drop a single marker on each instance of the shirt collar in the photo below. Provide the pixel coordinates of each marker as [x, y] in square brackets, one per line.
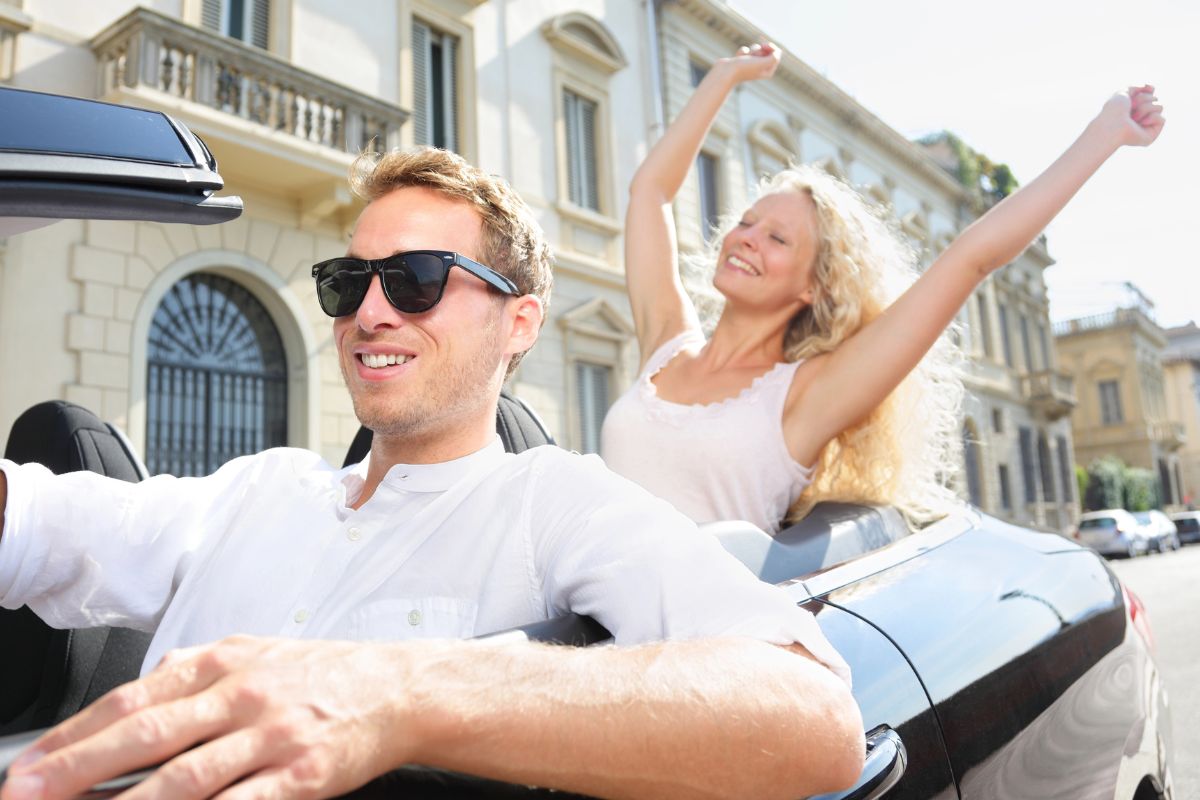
[423, 477]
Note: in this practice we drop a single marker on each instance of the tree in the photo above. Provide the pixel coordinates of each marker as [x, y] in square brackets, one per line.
[987, 182]
[1141, 489]
[1105, 484]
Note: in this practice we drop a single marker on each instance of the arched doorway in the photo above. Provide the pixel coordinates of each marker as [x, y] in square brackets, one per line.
[216, 377]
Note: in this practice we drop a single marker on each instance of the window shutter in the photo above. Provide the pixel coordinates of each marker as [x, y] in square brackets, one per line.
[260, 24]
[591, 387]
[420, 79]
[450, 101]
[210, 15]
[588, 120]
[580, 117]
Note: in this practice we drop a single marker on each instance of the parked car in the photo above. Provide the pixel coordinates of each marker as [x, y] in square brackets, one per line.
[1113, 532]
[1160, 530]
[990, 661]
[1187, 525]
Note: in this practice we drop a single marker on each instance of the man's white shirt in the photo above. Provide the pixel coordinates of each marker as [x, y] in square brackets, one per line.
[269, 545]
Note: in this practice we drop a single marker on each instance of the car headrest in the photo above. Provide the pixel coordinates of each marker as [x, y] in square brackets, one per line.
[65, 437]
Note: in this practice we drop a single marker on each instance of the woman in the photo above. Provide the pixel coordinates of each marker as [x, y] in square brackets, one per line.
[808, 361]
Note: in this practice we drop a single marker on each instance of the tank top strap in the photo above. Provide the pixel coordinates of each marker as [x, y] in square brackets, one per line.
[669, 349]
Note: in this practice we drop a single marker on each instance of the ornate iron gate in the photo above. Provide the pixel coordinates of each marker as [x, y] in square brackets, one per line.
[216, 383]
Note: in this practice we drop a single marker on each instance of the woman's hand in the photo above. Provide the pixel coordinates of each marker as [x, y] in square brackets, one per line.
[1134, 115]
[753, 62]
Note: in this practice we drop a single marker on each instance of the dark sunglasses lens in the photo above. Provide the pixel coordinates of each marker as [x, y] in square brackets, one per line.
[414, 282]
[341, 287]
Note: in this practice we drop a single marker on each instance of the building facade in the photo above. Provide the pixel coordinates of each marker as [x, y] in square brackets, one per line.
[1181, 374]
[561, 97]
[1116, 360]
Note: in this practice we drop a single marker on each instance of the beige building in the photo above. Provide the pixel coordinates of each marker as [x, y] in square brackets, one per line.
[1117, 359]
[1181, 373]
[562, 97]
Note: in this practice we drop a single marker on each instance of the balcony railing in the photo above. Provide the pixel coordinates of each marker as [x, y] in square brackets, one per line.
[145, 49]
[1169, 433]
[1050, 391]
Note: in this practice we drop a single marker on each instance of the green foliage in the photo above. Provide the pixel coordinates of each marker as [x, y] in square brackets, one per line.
[1141, 489]
[1105, 484]
[1109, 483]
[988, 183]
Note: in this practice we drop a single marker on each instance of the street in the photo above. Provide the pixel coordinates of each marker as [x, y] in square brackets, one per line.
[1169, 585]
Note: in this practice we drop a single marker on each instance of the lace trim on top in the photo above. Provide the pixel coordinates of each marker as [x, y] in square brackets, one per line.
[679, 414]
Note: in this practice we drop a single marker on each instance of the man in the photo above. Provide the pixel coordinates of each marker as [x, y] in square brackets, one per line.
[436, 536]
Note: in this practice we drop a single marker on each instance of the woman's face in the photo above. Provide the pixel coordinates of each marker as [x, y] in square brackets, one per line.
[767, 259]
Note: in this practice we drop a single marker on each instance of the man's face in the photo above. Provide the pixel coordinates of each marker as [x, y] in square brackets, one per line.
[449, 361]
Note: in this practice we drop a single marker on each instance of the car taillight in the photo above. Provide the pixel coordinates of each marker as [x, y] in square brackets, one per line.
[1138, 616]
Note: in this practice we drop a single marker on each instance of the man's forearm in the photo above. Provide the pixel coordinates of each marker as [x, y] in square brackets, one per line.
[707, 718]
[702, 718]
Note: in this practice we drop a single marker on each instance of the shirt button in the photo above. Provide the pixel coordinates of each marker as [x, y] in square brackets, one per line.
[414, 617]
[301, 615]
[354, 534]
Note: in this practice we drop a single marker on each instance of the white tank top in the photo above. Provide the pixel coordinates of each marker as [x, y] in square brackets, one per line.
[719, 461]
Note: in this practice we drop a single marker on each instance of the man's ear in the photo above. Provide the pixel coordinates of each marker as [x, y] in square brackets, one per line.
[525, 315]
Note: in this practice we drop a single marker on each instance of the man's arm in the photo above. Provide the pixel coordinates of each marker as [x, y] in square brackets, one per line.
[722, 717]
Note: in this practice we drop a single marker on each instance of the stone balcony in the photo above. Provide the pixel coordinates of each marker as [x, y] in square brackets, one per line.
[1169, 434]
[270, 124]
[1052, 393]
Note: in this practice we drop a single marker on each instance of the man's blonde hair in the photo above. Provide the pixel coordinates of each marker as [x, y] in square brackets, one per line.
[513, 243]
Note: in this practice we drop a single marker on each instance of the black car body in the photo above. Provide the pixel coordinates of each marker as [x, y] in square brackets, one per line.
[990, 661]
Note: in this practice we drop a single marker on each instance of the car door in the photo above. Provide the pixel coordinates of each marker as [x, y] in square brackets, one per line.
[1020, 639]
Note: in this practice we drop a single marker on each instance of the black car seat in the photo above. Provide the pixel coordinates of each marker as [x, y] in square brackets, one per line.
[58, 672]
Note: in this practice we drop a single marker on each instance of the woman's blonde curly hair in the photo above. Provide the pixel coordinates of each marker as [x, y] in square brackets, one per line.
[907, 452]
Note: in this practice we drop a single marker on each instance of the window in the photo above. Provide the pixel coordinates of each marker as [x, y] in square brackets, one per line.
[997, 420]
[1028, 472]
[246, 20]
[216, 378]
[1045, 346]
[696, 71]
[1005, 488]
[1110, 403]
[591, 390]
[1028, 351]
[435, 87]
[580, 115]
[985, 325]
[710, 209]
[1008, 356]
[971, 456]
[1065, 473]
[1047, 469]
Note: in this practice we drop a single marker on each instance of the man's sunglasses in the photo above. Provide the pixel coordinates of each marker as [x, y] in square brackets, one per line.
[412, 282]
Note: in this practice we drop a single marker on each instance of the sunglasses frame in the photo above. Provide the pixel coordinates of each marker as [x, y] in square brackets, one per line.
[448, 258]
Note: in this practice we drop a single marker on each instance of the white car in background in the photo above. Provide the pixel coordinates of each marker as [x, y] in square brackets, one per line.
[1113, 532]
[1160, 530]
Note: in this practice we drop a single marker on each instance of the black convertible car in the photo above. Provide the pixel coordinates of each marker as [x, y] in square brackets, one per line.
[990, 661]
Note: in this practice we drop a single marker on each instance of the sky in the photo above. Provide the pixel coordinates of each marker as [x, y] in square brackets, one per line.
[1018, 81]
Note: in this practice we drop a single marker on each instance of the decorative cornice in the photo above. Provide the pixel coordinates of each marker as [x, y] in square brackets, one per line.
[797, 75]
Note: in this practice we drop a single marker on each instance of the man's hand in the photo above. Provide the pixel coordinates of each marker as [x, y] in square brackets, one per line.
[724, 717]
[285, 718]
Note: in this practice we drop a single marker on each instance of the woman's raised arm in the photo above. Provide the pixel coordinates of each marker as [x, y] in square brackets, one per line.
[661, 309]
[867, 367]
